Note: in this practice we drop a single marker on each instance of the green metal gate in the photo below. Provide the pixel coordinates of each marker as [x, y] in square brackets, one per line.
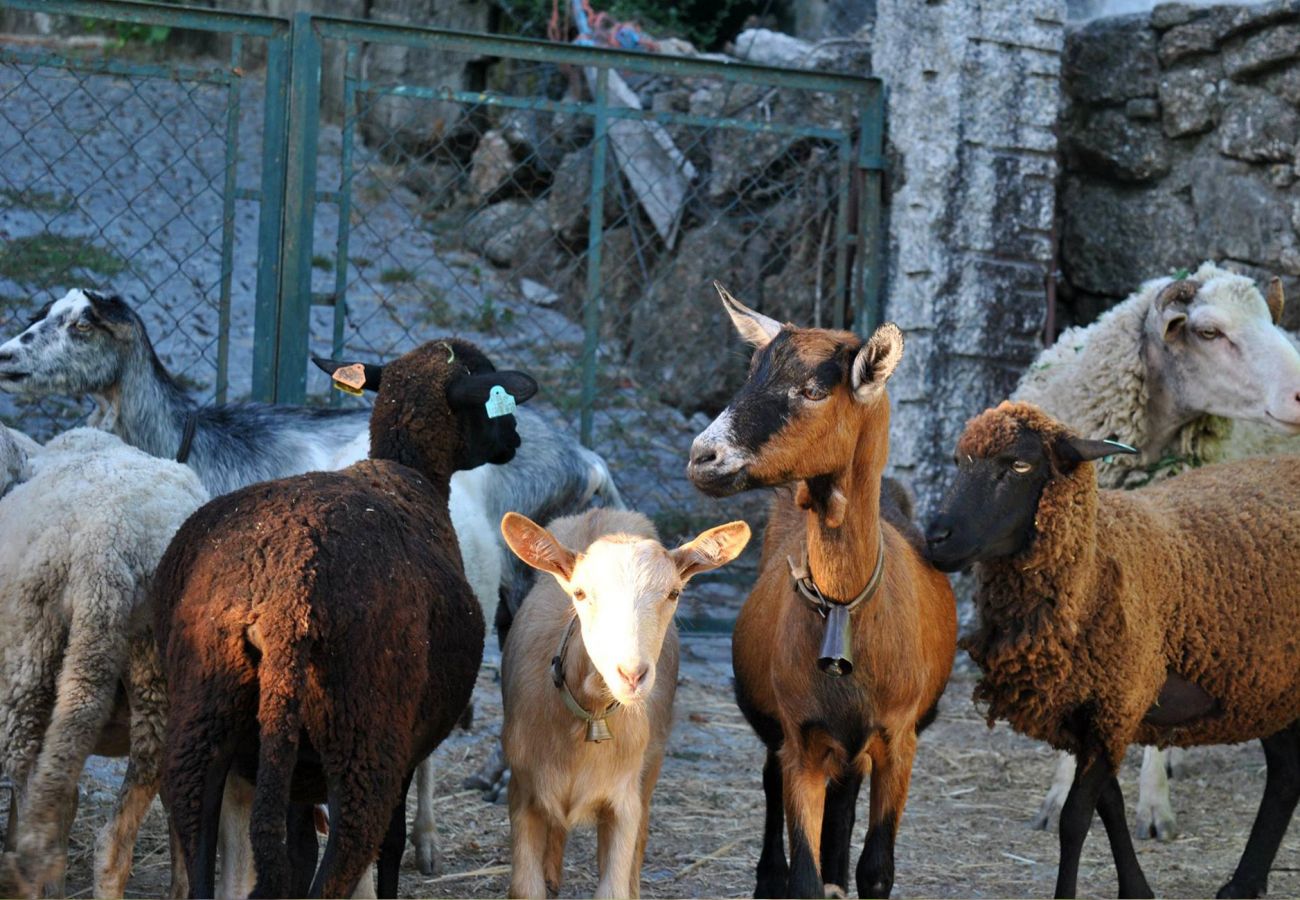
[566, 206]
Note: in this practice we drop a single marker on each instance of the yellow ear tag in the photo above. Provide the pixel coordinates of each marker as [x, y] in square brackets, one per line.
[499, 402]
[349, 379]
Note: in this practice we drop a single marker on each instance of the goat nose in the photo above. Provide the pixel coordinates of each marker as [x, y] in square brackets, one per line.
[634, 679]
[937, 533]
[703, 456]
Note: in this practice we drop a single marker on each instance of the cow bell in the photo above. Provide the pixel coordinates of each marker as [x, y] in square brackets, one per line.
[836, 656]
[598, 730]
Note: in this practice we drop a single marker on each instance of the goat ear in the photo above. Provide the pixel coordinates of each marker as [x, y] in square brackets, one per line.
[1275, 299]
[876, 361]
[474, 390]
[1171, 305]
[536, 546]
[373, 374]
[1070, 451]
[754, 327]
[711, 549]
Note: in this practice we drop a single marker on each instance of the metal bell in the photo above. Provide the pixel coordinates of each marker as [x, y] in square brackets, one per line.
[836, 656]
[598, 730]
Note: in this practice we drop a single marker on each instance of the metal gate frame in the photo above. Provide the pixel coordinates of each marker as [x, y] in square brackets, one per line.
[288, 192]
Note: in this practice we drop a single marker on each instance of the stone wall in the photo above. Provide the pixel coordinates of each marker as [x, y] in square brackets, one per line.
[973, 102]
[1180, 144]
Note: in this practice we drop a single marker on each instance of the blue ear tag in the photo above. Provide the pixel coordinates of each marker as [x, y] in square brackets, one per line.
[500, 402]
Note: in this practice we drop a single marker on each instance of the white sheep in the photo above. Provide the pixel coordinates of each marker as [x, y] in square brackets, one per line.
[606, 619]
[1189, 371]
[83, 532]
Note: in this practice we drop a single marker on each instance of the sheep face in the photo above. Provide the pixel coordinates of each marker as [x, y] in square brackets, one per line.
[624, 591]
[75, 345]
[1005, 458]
[1215, 346]
[801, 411]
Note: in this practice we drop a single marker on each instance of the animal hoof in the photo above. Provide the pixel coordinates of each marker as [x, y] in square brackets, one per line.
[426, 857]
[1046, 818]
[1176, 762]
[1156, 821]
[489, 777]
[1233, 889]
[834, 890]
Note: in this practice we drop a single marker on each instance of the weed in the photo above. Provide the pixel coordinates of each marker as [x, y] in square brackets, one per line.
[45, 259]
[399, 275]
[31, 198]
[324, 263]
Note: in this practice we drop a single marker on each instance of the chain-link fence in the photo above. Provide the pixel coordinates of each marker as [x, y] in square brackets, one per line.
[122, 170]
[354, 189]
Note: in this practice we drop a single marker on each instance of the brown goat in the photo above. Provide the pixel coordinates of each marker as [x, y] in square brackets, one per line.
[318, 631]
[814, 412]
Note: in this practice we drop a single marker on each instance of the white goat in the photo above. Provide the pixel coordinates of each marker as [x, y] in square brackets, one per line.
[609, 610]
[79, 671]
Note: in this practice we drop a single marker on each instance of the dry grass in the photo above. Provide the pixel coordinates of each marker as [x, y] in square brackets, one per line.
[964, 834]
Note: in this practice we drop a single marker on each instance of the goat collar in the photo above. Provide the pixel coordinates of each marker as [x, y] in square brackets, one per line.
[597, 727]
[836, 655]
[187, 437]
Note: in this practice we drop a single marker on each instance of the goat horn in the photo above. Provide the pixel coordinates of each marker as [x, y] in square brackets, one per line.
[1276, 299]
[451, 353]
[1181, 291]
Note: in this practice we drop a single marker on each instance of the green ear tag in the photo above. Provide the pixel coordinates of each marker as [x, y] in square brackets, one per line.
[500, 402]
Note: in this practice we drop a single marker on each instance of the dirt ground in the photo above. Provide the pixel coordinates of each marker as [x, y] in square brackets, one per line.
[964, 834]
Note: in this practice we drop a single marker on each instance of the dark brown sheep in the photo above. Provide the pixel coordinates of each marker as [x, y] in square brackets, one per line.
[318, 630]
[1161, 616]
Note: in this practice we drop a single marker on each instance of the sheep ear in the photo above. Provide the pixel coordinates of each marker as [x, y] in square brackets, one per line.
[876, 361]
[536, 546]
[372, 374]
[474, 390]
[1275, 299]
[1071, 450]
[754, 327]
[711, 549]
[1171, 305]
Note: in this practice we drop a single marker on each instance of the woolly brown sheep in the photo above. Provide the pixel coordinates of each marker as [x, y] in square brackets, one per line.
[1159, 616]
[319, 633]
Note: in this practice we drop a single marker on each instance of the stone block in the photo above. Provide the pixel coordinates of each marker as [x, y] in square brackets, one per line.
[510, 233]
[1144, 109]
[1109, 143]
[1258, 127]
[1285, 83]
[1197, 37]
[1166, 15]
[1239, 214]
[1262, 51]
[1189, 101]
[1110, 60]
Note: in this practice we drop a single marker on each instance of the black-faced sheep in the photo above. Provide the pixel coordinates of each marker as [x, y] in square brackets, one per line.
[1189, 371]
[83, 530]
[327, 615]
[1159, 616]
[598, 637]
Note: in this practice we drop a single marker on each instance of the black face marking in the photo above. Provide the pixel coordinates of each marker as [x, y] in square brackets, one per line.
[989, 511]
[764, 404]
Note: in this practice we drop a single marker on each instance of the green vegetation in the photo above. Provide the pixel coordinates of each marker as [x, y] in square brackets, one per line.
[324, 263]
[439, 312]
[30, 198]
[47, 258]
[361, 262]
[399, 275]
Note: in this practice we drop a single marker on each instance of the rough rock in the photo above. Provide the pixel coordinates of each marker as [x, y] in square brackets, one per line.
[1251, 16]
[1142, 108]
[509, 233]
[1258, 126]
[1196, 37]
[567, 204]
[1285, 83]
[1167, 15]
[491, 166]
[1240, 215]
[1112, 144]
[1111, 60]
[1262, 51]
[765, 47]
[537, 293]
[1189, 101]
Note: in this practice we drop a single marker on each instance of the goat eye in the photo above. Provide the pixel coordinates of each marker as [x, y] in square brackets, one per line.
[82, 325]
[813, 392]
[1208, 334]
[1020, 467]
[580, 594]
[673, 595]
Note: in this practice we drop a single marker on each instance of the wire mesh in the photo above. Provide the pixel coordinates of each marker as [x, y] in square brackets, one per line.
[122, 174]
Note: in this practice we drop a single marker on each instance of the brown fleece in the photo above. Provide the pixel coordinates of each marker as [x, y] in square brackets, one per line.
[325, 617]
[1194, 576]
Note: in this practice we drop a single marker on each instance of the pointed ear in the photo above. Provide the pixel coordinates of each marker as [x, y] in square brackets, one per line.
[713, 548]
[1171, 306]
[754, 327]
[1070, 451]
[373, 374]
[1275, 299]
[474, 390]
[536, 546]
[875, 362]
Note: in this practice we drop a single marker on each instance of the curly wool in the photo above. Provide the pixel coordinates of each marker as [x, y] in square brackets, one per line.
[1095, 377]
[1077, 633]
[83, 534]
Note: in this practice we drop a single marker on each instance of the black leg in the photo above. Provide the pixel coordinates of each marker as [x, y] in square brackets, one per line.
[390, 851]
[300, 833]
[804, 879]
[773, 872]
[875, 872]
[837, 830]
[1281, 791]
[1132, 883]
[1076, 818]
